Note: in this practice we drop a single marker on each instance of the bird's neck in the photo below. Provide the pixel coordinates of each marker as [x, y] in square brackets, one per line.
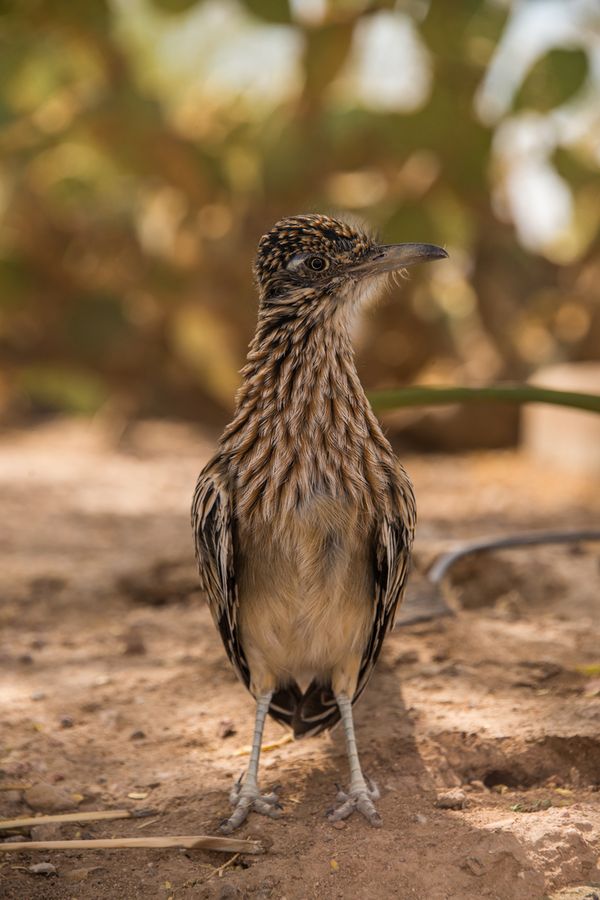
[303, 423]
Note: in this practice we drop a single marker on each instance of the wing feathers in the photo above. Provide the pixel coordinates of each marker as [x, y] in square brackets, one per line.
[316, 709]
[392, 544]
[211, 523]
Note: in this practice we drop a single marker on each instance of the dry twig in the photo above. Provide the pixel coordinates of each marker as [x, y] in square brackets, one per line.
[91, 816]
[186, 842]
[220, 869]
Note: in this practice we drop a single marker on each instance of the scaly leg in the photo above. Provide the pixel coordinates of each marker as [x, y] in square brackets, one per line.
[245, 795]
[360, 795]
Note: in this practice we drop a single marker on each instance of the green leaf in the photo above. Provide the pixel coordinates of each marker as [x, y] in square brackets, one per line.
[503, 393]
[274, 11]
[574, 167]
[553, 80]
[174, 6]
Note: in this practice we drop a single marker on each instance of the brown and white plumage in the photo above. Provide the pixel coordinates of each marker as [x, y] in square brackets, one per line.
[304, 519]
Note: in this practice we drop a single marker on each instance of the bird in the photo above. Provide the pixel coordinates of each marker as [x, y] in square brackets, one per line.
[304, 519]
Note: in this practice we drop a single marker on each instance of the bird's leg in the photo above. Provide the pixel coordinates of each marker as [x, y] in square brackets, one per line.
[245, 795]
[360, 795]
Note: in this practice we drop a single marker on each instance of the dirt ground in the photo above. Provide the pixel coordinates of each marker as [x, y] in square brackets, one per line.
[116, 692]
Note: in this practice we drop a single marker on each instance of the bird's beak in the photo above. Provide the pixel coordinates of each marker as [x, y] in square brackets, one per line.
[392, 257]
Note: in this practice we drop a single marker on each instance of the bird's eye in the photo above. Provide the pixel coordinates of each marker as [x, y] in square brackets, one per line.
[302, 261]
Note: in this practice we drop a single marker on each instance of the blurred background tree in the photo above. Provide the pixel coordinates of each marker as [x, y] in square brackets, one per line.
[147, 144]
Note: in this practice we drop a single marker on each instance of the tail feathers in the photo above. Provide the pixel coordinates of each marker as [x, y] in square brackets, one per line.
[317, 711]
[307, 714]
[283, 704]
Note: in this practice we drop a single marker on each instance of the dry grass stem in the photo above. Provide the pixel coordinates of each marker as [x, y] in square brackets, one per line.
[272, 745]
[219, 871]
[186, 842]
[91, 816]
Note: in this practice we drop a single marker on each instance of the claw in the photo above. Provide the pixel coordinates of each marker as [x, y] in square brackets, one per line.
[360, 799]
[246, 799]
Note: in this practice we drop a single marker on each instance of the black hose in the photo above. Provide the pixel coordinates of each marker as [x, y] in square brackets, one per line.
[444, 562]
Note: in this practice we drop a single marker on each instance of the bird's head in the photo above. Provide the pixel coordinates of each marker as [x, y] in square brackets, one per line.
[312, 260]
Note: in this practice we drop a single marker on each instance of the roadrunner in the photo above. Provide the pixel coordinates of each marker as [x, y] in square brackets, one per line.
[304, 518]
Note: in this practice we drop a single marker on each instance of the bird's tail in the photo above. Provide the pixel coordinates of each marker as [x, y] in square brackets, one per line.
[306, 713]
[283, 704]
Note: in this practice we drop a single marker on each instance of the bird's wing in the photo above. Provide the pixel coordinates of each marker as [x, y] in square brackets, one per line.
[212, 526]
[391, 557]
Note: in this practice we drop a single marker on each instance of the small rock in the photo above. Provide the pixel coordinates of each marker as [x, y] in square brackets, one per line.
[583, 826]
[407, 658]
[46, 585]
[49, 832]
[474, 865]
[478, 786]
[134, 643]
[47, 798]
[26, 659]
[42, 868]
[137, 735]
[421, 819]
[454, 799]
[67, 721]
[339, 826]
[38, 695]
[228, 892]
[226, 728]
[266, 889]
[80, 874]
[500, 788]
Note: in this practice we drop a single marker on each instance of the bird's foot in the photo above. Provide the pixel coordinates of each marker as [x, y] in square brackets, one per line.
[246, 798]
[360, 798]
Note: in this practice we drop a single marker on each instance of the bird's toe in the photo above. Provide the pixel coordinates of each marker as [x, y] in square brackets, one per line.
[245, 800]
[238, 816]
[366, 806]
[271, 799]
[361, 800]
[267, 807]
[373, 791]
[345, 809]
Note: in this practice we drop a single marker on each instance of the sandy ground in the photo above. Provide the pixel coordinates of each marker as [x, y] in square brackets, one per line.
[116, 692]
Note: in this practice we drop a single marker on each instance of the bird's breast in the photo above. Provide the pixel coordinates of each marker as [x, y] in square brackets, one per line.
[306, 591]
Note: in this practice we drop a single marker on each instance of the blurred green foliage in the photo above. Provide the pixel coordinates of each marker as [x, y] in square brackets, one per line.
[133, 190]
[553, 79]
